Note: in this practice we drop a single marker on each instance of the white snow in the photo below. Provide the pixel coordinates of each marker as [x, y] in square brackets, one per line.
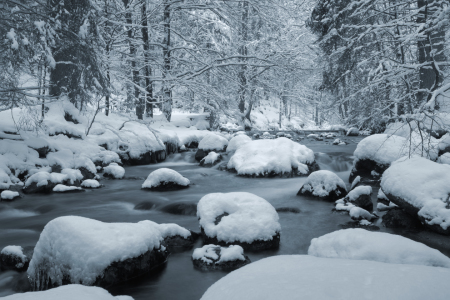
[211, 158]
[423, 184]
[322, 182]
[290, 277]
[16, 251]
[43, 178]
[61, 188]
[90, 183]
[280, 155]
[82, 248]
[344, 206]
[357, 213]
[69, 292]
[353, 131]
[213, 142]
[381, 195]
[249, 217]
[114, 170]
[208, 254]
[72, 175]
[9, 195]
[382, 148]
[359, 191]
[377, 246]
[237, 142]
[162, 175]
[37, 143]
[444, 159]
[355, 182]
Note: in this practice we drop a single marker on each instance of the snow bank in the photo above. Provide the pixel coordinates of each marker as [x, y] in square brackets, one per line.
[237, 142]
[213, 142]
[245, 217]
[90, 183]
[424, 185]
[321, 183]
[9, 195]
[69, 292]
[377, 246]
[81, 248]
[208, 254]
[114, 171]
[164, 175]
[278, 156]
[381, 148]
[291, 277]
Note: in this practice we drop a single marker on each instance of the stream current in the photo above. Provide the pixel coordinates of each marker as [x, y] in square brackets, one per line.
[22, 220]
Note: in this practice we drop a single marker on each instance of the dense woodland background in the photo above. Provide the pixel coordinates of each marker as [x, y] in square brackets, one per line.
[361, 63]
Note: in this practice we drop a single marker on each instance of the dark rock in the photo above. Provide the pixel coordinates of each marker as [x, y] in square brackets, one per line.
[43, 189]
[364, 168]
[200, 154]
[69, 118]
[86, 173]
[398, 218]
[363, 201]
[171, 148]
[178, 243]
[219, 218]
[224, 266]
[181, 208]
[257, 245]
[68, 134]
[294, 210]
[167, 186]
[145, 159]
[192, 145]
[146, 205]
[13, 262]
[43, 151]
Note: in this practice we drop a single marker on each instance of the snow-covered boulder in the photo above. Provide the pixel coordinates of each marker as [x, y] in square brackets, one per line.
[376, 153]
[238, 219]
[61, 188]
[114, 171]
[165, 179]
[211, 142]
[237, 142]
[69, 292]
[9, 195]
[66, 159]
[43, 182]
[290, 277]
[212, 257]
[211, 159]
[15, 258]
[324, 184]
[273, 157]
[444, 159]
[104, 158]
[360, 196]
[39, 144]
[377, 246]
[420, 187]
[353, 131]
[80, 250]
[91, 184]
[358, 214]
[314, 136]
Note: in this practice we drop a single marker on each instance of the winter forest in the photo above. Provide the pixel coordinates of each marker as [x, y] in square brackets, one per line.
[224, 149]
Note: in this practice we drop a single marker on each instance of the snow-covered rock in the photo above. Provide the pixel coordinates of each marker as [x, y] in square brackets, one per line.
[41, 145]
[211, 159]
[444, 159]
[43, 182]
[353, 131]
[273, 157]
[420, 187]
[81, 250]
[212, 257]
[377, 246]
[290, 277]
[324, 184]
[237, 142]
[238, 219]
[213, 142]
[314, 136]
[165, 179]
[61, 188]
[338, 142]
[360, 196]
[91, 184]
[69, 292]
[9, 195]
[15, 258]
[113, 170]
[358, 214]
[396, 217]
[104, 158]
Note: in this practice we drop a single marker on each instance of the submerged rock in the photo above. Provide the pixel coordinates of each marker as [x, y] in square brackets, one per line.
[181, 208]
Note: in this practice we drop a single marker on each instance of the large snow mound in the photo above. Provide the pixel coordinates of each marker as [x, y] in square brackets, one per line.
[114, 170]
[322, 182]
[164, 175]
[290, 277]
[82, 248]
[381, 148]
[377, 246]
[69, 292]
[423, 184]
[213, 142]
[262, 157]
[237, 142]
[246, 217]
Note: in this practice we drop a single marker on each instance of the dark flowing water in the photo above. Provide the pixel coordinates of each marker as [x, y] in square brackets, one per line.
[22, 221]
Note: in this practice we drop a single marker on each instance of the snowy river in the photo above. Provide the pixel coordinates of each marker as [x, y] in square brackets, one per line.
[22, 221]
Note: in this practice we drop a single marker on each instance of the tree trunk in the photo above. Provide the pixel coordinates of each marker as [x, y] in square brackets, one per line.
[243, 51]
[147, 68]
[168, 101]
